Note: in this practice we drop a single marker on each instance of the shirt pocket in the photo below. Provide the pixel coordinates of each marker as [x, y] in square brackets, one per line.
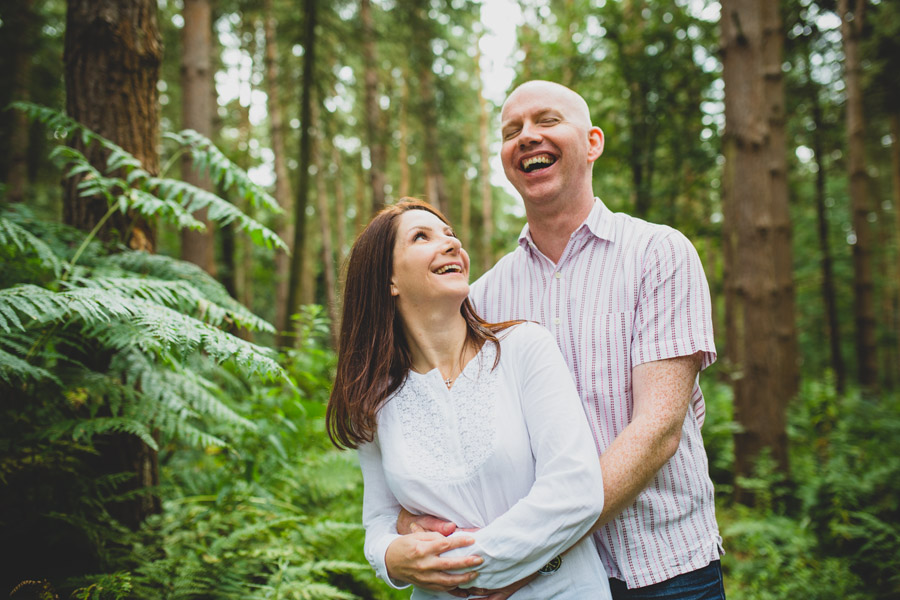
[608, 391]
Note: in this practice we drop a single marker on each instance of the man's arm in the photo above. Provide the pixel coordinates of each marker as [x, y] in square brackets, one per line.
[662, 394]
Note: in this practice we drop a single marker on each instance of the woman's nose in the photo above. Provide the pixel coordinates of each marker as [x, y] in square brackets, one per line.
[453, 245]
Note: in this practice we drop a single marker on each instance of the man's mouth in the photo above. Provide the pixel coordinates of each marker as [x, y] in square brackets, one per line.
[448, 269]
[541, 161]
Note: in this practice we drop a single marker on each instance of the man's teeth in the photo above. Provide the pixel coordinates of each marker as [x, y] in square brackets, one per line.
[447, 268]
[537, 162]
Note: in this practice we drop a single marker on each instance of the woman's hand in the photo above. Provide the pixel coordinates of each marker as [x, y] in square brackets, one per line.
[415, 558]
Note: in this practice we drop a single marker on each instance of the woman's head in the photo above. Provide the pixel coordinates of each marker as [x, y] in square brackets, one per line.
[373, 357]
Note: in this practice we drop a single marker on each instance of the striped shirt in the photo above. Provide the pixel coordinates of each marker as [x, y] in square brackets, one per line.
[624, 292]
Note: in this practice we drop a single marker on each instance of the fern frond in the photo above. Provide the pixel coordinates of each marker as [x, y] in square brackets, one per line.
[167, 268]
[223, 212]
[12, 367]
[16, 235]
[206, 157]
[86, 429]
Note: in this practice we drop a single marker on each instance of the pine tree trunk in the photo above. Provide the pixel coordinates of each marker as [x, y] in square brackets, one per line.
[340, 206]
[776, 152]
[287, 337]
[895, 179]
[760, 390]
[113, 52]
[487, 205]
[373, 112]
[21, 24]
[863, 286]
[828, 288]
[423, 59]
[284, 225]
[323, 208]
[403, 150]
[197, 247]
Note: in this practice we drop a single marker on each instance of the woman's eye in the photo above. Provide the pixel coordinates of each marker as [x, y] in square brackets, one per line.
[420, 235]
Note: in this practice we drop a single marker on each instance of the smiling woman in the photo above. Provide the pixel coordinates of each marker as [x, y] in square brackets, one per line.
[477, 423]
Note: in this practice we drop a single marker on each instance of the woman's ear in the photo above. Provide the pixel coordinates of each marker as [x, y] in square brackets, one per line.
[394, 290]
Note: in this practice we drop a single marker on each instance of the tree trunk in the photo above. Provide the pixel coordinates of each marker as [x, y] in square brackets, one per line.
[760, 390]
[776, 153]
[423, 61]
[403, 150]
[323, 208]
[112, 57]
[21, 24]
[373, 112]
[863, 287]
[340, 205]
[197, 108]
[287, 337]
[828, 289]
[487, 205]
[895, 179]
[284, 225]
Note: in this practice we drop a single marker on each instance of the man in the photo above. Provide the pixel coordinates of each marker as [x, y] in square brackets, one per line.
[629, 306]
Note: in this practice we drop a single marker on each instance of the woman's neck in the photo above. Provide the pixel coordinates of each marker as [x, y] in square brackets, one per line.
[437, 341]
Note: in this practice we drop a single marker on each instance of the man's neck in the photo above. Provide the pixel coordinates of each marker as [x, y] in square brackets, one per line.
[550, 231]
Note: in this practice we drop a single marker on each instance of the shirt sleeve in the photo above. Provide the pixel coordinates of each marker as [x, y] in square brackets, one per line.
[567, 495]
[673, 316]
[380, 510]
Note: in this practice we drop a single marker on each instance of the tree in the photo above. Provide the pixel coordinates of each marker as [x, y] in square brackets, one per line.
[374, 136]
[112, 58]
[755, 223]
[197, 100]
[852, 22]
[286, 337]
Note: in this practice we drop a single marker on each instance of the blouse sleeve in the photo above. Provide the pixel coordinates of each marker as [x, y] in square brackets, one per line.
[567, 495]
[380, 510]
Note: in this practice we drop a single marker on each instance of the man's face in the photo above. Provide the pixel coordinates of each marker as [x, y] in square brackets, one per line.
[548, 142]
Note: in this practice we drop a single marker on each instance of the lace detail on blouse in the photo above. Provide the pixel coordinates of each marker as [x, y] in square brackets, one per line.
[450, 433]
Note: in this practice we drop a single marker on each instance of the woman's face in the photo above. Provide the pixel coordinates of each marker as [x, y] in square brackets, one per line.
[429, 262]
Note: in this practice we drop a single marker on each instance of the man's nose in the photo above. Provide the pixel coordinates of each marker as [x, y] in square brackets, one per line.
[530, 134]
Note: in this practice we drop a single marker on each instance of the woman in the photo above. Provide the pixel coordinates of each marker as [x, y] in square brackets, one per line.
[477, 423]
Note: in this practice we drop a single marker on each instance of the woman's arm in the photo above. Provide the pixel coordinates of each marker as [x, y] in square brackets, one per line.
[415, 558]
[567, 495]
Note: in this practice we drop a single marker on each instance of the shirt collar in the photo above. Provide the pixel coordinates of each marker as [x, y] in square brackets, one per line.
[598, 223]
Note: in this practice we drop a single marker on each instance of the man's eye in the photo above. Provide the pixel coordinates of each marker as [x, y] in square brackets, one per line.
[510, 134]
[550, 121]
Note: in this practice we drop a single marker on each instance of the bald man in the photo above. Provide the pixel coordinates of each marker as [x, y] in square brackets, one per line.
[629, 306]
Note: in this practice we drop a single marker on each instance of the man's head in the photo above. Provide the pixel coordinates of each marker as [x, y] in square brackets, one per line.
[549, 146]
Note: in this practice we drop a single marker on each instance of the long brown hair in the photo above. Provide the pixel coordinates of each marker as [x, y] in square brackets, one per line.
[373, 356]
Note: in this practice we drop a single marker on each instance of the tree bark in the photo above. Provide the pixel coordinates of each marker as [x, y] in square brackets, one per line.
[863, 286]
[487, 205]
[776, 152]
[327, 247]
[828, 288]
[284, 226]
[112, 57]
[197, 107]
[760, 390]
[423, 60]
[21, 24]
[895, 179]
[287, 337]
[403, 150]
[374, 135]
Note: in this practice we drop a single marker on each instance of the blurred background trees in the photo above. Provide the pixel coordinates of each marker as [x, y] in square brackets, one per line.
[765, 131]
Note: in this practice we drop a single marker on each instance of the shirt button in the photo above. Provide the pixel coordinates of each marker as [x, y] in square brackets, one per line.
[556, 321]
[558, 275]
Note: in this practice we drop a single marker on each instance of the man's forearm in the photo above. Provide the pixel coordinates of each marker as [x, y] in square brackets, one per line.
[662, 392]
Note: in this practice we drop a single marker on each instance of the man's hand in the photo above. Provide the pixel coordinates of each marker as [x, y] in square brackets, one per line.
[410, 523]
[501, 594]
[415, 558]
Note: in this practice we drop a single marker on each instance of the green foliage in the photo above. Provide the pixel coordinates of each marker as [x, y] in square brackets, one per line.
[828, 529]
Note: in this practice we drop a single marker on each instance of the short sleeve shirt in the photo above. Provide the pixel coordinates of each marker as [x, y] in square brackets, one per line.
[623, 293]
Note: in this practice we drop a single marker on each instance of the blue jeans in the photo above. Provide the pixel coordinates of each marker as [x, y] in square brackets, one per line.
[702, 584]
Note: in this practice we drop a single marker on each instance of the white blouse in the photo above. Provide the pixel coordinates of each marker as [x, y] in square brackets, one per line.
[507, 451]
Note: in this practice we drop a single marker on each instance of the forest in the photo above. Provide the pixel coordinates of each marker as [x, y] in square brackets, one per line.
[181, 183]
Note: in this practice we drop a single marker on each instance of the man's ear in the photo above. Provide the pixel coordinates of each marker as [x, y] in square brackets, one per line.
[595, 141]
